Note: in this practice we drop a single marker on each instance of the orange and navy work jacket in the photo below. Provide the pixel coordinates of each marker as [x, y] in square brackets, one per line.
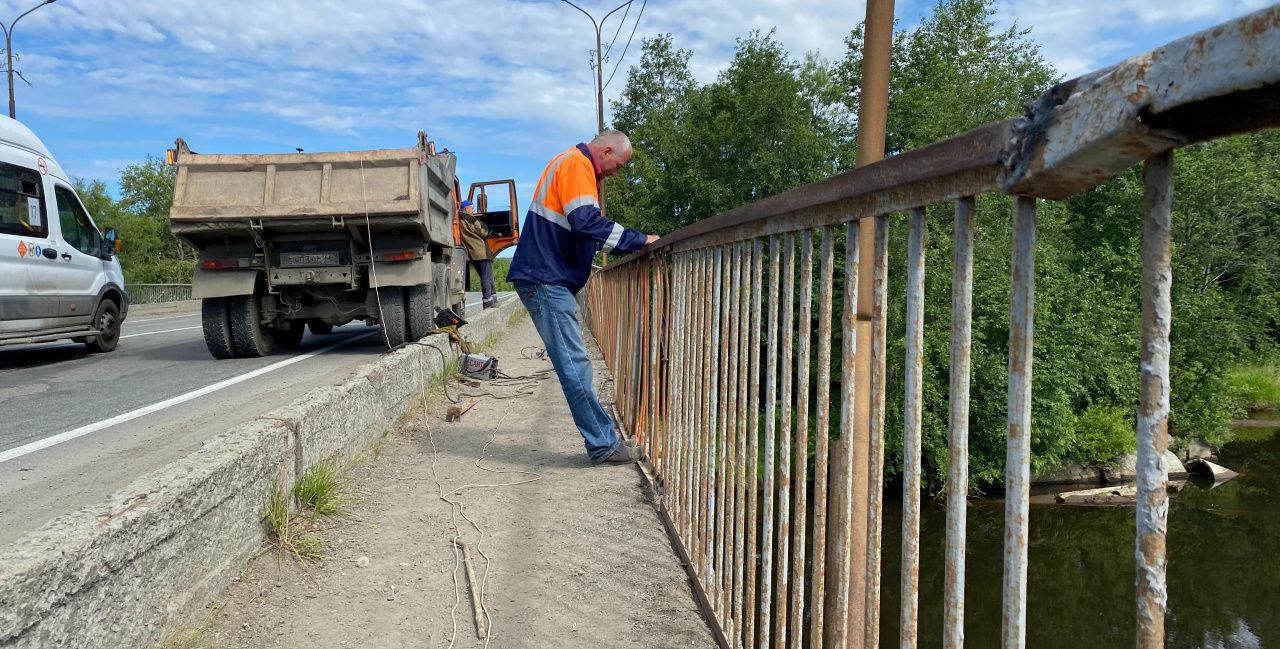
[564, 229]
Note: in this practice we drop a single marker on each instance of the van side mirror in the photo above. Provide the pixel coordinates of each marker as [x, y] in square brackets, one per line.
[110, 242]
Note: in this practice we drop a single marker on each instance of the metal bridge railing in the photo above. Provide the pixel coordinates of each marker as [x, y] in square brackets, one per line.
[157, 293]
[710, 346]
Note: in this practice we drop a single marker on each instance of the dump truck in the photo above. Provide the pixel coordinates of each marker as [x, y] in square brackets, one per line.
[297, 241]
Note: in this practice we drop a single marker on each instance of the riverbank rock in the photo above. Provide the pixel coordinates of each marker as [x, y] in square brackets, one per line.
[1073, 473]
[1125, 468]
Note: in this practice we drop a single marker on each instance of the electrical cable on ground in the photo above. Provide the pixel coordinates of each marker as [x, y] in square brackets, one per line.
[457, 508]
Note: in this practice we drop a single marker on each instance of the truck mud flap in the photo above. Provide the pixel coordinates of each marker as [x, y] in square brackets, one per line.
[400, 273]
[222, 283]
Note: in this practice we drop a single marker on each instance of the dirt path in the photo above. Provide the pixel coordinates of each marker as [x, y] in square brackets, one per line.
[576, 558]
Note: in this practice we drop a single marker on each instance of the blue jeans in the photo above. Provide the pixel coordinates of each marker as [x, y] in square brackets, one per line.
[554, 312]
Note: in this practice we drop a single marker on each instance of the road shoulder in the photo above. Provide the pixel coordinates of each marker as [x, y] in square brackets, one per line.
[576, 558]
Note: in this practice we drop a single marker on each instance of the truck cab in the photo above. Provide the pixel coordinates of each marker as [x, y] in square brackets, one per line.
[59, 275]
[495, 202]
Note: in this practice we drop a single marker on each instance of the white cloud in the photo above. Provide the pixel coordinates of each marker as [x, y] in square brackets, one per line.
[507, 77]
[1081, 36]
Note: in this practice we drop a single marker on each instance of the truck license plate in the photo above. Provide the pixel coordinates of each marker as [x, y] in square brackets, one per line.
[303, 259]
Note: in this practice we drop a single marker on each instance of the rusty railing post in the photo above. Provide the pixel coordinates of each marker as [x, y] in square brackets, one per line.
[1153, 414]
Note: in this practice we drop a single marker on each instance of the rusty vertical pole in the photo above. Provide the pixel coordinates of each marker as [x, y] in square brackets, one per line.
[783, 467]
[958, 441]
[873, 107]
[767, 537]
[801, 472]
[740, 521]
[753, 442]
[841, 601]
[818, 589]
[875, 437]
[914, 372]
[715, 428]
[1017, 469]
[1153, 414]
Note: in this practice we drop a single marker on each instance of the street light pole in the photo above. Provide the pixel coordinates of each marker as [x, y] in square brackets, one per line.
[599, 58]
[599, 73]
[8, 51]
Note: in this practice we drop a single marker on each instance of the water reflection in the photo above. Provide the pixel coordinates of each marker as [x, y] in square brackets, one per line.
[1224, 566]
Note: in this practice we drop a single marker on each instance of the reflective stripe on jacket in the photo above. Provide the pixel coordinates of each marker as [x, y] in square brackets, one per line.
[564, 229]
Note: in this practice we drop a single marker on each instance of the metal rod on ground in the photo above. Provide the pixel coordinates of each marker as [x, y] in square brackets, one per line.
[477, 607]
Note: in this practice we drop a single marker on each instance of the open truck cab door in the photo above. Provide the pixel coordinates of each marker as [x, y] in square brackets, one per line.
[497, 205]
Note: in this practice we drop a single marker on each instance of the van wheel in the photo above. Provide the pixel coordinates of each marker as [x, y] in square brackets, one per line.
[292, 337]
[217, 327]
[107, 321]
[421, 311]
[249, 336]
[319, 327]
[391, 298]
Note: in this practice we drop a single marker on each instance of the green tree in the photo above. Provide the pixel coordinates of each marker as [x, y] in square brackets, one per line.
[758, 131]
[953, 73]
[766, 125]
[649, 194]
[149, 253]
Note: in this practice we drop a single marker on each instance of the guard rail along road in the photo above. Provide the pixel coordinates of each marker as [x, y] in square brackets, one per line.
[692, 327]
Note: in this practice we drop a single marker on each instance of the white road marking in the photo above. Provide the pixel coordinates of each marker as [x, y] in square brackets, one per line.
[152, 333]
[53, 440]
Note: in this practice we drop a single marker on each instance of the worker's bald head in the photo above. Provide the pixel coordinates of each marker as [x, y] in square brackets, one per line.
[611, 150]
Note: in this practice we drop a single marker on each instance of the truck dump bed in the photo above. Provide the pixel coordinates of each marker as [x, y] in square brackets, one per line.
[407, 190]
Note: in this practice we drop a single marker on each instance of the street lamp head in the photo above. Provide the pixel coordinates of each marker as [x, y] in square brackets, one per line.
[49, 2]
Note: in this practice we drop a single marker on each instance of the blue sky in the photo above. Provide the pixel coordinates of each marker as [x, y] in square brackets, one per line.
[505, 83]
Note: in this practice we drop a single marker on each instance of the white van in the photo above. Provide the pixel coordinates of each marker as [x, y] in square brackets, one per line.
[59, 276]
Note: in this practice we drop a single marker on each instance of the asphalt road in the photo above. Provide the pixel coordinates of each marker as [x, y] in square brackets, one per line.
[76, 427]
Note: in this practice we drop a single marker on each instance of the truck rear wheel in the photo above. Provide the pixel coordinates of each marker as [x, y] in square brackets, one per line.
[391, 298]
[217, 327]
[292, 337]
[421, 311]
[249, 335]
[319, 327]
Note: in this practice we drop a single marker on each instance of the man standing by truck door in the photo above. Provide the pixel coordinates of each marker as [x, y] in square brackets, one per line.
[474, 233]
[562, 233]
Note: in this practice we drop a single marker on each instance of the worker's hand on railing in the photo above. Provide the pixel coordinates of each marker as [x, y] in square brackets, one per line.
[650, 239]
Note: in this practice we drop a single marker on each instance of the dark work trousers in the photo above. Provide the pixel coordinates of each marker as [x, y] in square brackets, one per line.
[484, 268]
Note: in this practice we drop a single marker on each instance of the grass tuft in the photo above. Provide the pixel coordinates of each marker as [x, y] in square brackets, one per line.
[321, 491]
[285, 532]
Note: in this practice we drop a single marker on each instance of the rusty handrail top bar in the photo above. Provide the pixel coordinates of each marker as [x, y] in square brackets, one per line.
[1221, 81]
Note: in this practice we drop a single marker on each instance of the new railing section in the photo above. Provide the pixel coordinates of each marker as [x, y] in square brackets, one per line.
[709, 338]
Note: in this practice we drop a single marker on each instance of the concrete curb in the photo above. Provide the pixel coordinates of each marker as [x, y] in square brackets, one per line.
[156, 553]
[139, 311]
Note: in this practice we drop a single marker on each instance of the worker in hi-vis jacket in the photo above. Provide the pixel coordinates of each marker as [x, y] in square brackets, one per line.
[563, 231]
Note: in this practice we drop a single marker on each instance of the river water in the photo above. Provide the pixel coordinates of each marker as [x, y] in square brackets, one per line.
[1223, 571]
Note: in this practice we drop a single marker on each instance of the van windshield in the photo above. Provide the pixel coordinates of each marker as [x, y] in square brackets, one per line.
[22, 210]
